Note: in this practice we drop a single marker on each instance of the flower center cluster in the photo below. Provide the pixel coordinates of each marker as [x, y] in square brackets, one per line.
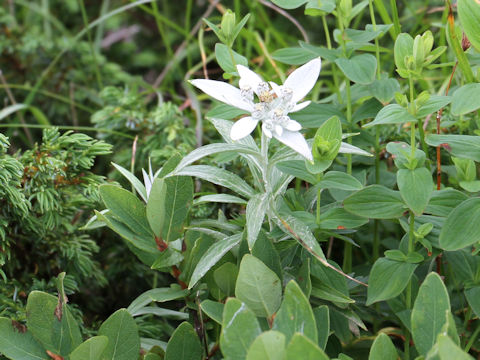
[272, 108]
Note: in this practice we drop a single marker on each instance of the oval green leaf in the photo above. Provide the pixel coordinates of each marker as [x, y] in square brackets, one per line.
[258, 287]
[462, 227]
[429, 313]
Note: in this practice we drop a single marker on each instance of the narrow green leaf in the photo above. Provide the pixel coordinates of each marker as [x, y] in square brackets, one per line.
[455, 43]
[255, 213]
[137, 184]
[220, 177]
[212, 256]
[178, 198]
[155, 295]
[155, 210]
[322, 319]
[6, 111]
[212, 149]
[221, 198]
[127, 207]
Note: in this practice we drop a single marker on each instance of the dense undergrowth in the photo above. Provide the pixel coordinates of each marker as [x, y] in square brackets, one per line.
[162, 173]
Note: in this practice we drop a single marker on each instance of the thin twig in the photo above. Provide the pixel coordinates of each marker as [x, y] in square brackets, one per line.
[72, 106]
[268, 56]
[12, 100]
[288, 16]
[202, 53]
[317, 256]
[439, 117]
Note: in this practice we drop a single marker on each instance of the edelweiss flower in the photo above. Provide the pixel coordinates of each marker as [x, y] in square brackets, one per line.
[274, 103]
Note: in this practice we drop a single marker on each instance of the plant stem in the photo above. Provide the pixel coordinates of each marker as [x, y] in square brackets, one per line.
[264, 150]
[396, 20]
[472, 339]
[188, 16]
[92, 47]
[347, 251]
[347, 255]
[411, 236]
[408, 295]
[329, 46]
[319, 194]
[67, 127]
[412, 124]
[376, 238]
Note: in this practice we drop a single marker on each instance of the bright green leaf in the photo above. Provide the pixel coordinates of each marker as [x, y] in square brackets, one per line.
[122, 333]
[388, 278]
[428, 314]
[462, 227]
[184, 344]
[295, 314]
[258, 287]
[270, 345]
[239, 329]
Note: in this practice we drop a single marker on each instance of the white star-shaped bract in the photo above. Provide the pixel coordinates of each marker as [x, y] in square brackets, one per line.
[272, 105]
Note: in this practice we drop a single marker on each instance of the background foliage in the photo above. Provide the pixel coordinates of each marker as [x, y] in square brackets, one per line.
[117, 172]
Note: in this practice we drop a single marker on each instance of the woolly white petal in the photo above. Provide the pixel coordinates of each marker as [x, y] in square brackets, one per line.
[242, 128]
[267, 132]
[346, 148]
[276, 88]
[297, 142]
[302, 80]
[248, 78]
[147, 181]
[293, 125]
[223, 92]
[300, 106]
[278, 130]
